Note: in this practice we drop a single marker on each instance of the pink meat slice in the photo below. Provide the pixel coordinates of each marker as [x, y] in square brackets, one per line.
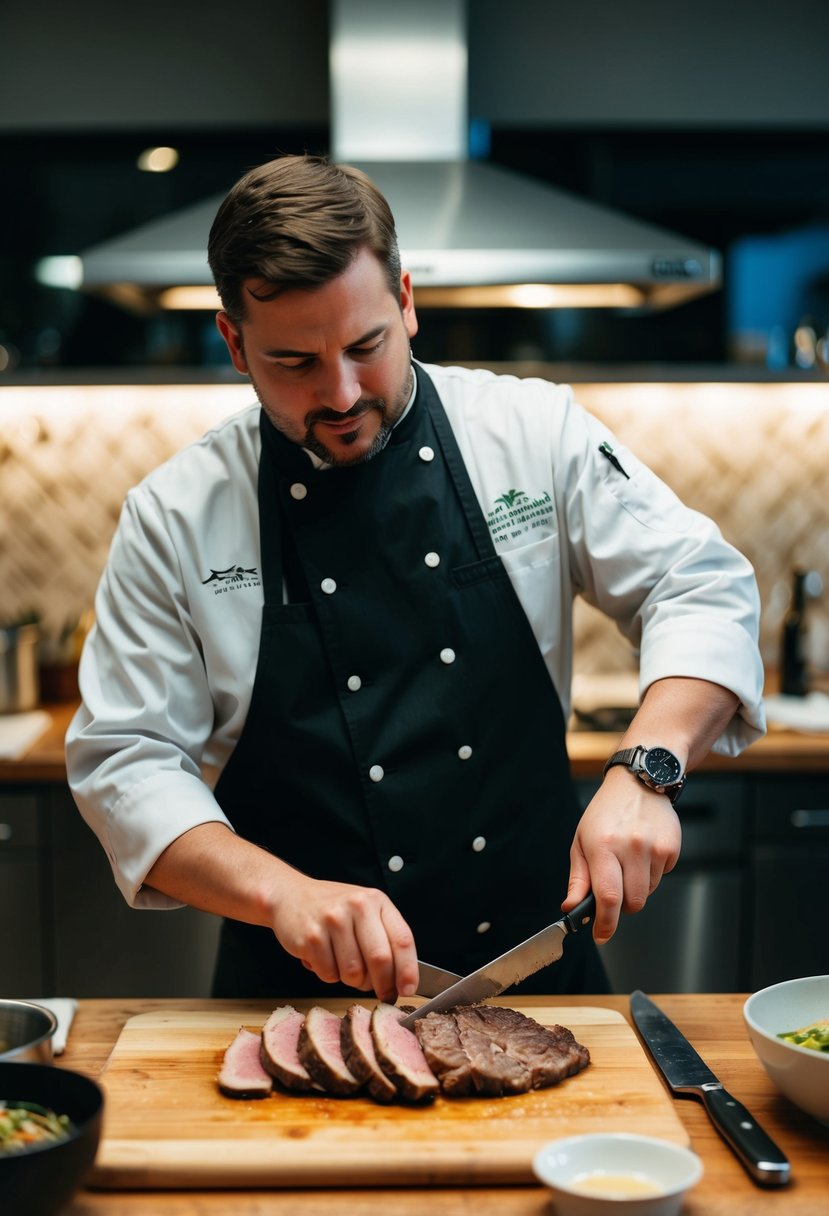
[400, 1055]
[242, 1074]
[320, 1050]
[280, 1048]
[359, 1054]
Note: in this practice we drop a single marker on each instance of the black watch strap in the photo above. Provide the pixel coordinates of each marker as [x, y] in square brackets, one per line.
[627, 757]
[631, 759]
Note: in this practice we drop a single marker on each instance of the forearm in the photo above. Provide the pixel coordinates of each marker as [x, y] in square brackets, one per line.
[684, 715]
[211, 868]
[629, 836]
[339, 931]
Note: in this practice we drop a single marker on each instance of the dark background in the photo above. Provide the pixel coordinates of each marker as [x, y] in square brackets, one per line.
[714, 123]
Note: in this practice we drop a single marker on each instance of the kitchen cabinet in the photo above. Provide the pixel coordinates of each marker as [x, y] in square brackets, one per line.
[73, 932]
[22, 949]
[102, 946]
[690, 935]
[789, 879]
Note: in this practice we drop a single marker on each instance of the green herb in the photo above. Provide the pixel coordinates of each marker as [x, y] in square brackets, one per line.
[816, 1037]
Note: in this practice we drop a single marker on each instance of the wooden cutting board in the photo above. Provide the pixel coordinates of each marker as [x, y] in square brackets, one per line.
[167, 1125]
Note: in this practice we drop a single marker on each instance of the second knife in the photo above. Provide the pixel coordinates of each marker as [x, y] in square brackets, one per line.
[687, 1073]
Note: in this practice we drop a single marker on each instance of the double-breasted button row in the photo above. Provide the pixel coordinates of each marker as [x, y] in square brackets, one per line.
[396, 864]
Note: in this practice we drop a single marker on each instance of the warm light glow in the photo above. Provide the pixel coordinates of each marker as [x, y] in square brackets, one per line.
[525, 295]
[533, 295]
[188, 299]
[158, 160]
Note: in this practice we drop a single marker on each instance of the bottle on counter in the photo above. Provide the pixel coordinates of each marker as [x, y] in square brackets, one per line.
[794, 669]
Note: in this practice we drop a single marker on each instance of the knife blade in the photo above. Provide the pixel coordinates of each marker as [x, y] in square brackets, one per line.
[687, 1073]
[433, 980]
[524, 959]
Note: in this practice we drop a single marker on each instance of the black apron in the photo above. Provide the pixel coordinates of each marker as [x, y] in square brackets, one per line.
[403, 731]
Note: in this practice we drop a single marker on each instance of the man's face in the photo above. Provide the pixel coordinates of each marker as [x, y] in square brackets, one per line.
[330, 366]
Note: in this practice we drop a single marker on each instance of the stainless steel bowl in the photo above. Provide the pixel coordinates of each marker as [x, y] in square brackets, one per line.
[26, 1032]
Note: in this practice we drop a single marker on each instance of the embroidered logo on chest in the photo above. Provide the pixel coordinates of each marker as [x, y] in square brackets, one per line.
[515, 513]
[234, 578]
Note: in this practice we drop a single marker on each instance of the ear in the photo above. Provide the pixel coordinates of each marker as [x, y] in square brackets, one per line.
[233, 339]
[407, 303]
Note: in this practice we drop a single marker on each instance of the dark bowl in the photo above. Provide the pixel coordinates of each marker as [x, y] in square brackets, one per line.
[40, 1181]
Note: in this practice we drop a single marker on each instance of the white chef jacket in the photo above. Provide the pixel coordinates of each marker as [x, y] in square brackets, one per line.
[167, 672]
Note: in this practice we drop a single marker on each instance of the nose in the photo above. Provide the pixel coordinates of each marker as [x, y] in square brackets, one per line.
[340, 387]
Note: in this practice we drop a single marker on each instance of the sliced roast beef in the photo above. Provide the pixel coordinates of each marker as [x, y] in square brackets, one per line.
[400, 1055]
[487, 1049]
[320, 1051]
[280, 1048]
[360, 1056]
[242, 1074]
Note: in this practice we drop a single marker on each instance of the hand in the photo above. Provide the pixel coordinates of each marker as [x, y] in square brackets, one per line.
[352, 934]
[627, 838]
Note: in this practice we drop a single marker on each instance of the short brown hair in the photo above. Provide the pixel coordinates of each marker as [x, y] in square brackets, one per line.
[298, 222]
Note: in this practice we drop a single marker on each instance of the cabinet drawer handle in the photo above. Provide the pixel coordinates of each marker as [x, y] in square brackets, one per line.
[6, 832]
[810, 819]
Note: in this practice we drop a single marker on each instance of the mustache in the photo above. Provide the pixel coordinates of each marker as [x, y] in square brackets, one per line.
[357, 410]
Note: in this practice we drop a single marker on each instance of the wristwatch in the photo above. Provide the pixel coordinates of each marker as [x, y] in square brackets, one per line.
[658, 768]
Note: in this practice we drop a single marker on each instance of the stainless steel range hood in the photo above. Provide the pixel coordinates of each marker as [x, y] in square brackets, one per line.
[472, 234]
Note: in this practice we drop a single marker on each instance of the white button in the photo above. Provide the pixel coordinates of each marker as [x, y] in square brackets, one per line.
[432, 559]
[298, 490]
[354, 683]
[484, 927]
[479, 844]
[426, 454]
[376, 772]
[464, 752]
[395, 864]
[328, 586]
[447, 655]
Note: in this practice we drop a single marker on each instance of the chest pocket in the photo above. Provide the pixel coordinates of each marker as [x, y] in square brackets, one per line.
[534, 573]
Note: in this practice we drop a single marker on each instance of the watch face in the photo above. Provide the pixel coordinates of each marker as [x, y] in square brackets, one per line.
[662, 766]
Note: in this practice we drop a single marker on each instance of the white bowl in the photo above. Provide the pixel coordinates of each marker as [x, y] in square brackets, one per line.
[800, 1073]
[668, 1171]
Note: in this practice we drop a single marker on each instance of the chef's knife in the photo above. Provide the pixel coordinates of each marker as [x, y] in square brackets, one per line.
[687, 1073]
[510, 968]
[433, 980]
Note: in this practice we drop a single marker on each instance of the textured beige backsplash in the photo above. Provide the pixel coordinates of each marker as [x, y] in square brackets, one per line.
[752, 456]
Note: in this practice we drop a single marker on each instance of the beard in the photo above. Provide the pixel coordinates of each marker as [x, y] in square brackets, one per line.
[389, 413]
[315, 445]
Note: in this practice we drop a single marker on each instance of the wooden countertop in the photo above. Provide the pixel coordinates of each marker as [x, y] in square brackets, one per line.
[779, 751]
[714, 1025]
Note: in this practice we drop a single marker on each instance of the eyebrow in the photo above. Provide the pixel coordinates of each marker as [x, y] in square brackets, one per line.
[309, 354]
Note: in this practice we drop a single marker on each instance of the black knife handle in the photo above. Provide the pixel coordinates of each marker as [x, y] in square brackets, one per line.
[759, 1154]
[582, 915]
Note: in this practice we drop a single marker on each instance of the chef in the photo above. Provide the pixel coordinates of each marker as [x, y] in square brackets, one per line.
[326, 693]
